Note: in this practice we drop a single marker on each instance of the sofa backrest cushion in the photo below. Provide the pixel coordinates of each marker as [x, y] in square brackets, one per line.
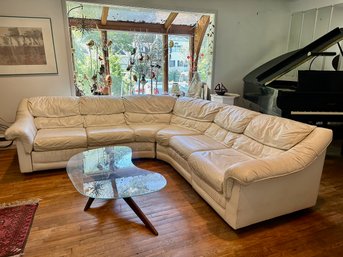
[101, 105]
[104, 120]
[55, 112]
[216, 132]
[229, 123]
[102, 111]
[149, 103]
[196, 109]
[54, 106]
[190, 124]
[194, 113]
[254, 148]
[234, 118]
[147, 118]
[277, 132]
[75, 121]
[147, 109]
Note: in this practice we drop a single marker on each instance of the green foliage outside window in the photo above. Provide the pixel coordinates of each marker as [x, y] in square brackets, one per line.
[87, 61]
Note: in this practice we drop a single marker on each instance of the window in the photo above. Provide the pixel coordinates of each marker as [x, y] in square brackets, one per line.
[120, 61]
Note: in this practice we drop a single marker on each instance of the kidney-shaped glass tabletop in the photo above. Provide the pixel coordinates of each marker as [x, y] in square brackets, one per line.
[108, 173]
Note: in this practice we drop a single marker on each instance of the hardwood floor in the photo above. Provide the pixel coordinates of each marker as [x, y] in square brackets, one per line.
[187, 226]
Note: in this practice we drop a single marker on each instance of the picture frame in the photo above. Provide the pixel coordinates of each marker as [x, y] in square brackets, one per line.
[26, 46]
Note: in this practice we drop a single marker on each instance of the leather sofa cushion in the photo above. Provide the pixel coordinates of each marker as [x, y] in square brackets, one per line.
[253, 148]
[212, 165]
[230, 138]
[75, 121]
[186, 145]
[196, 109]
[100, 136]
[60, 139]
[141, 147]
[54, 106]
[146, 133]
[104, 120]
[216, 132]
[163, 136]
[200, 126]
[234, 118]
[101, 105]
[149, 104]
[147, 118]
[55, 156]
[277, 132]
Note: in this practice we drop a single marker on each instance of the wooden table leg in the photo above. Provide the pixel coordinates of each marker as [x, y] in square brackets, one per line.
[140, 214]
[88, 204]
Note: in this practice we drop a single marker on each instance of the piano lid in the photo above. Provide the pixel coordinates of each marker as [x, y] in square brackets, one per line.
[279, 66]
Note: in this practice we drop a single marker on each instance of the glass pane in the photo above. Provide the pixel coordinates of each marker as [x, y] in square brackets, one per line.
[206, 54]
[120, 13]
[87, 10]
[178, 77]
[86, 59]
[132, 71]
[188, 18]
[119, 55]
[146, 70]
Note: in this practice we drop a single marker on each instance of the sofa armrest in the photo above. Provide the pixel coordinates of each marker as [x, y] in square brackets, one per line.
[23, 129]
[291, 161]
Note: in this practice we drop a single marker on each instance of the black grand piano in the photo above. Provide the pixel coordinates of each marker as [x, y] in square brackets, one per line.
[317, 96]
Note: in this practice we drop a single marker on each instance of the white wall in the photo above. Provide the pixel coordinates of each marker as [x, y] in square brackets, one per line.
[248, 33]
[14, 88]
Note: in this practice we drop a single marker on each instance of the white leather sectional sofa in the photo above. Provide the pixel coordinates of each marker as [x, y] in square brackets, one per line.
[248, 166]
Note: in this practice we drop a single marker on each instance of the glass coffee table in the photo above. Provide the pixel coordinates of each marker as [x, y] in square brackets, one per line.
[108, 173]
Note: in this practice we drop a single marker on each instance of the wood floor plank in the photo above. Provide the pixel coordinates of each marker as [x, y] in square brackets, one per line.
[187, 225]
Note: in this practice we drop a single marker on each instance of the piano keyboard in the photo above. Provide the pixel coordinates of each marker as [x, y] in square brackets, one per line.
[316, 113]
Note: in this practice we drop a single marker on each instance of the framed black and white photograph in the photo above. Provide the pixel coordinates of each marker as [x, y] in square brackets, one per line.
[26, 46]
